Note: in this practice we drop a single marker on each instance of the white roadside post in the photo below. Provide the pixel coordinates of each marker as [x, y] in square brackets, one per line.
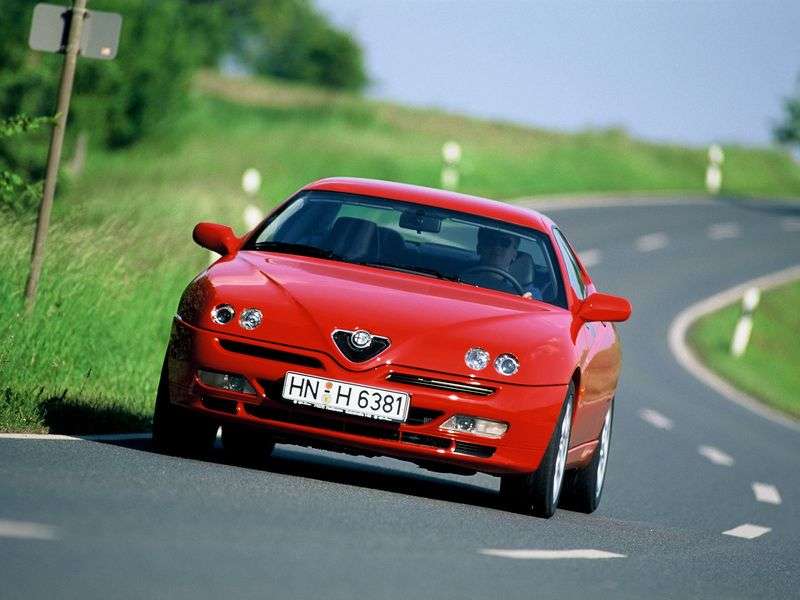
[744, 326]
[451, 154]
[714, 171]
[251, 184]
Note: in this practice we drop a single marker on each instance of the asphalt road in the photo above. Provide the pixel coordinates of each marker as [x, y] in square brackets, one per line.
[84, 519]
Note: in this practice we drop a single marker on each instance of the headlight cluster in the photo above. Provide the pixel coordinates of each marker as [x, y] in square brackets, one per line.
[478, 359]
[250, 318]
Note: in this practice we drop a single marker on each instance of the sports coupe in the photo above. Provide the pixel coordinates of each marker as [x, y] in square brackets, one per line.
[378, 318]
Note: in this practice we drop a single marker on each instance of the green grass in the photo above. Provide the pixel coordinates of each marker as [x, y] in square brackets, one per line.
[120, 249]
[770, 368]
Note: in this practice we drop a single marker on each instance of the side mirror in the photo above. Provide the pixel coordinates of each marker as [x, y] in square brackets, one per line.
[604, 307]
[218, 238]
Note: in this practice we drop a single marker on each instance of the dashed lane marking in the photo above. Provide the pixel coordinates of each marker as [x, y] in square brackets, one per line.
[723, 231]
[716, 456]
[26, 530]
[551, 554]
[790, 224]
[655, 418]
[590, 258]
[747, 531]
[651, 242]
[766, 493]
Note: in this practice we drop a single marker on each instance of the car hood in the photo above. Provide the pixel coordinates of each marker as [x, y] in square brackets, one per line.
[431, 323]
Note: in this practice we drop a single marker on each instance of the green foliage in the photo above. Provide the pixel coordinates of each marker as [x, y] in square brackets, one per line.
[16, 194]
[788, 132]
[768, 369]
[291, 40]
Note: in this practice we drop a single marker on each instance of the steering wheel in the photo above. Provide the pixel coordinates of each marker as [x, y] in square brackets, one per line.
[496, 271]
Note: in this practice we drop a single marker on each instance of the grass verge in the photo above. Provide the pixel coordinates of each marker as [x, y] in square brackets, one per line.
[120, 251]
[770, 368]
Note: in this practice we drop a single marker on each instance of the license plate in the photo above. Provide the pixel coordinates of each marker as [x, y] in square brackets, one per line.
[340, 396]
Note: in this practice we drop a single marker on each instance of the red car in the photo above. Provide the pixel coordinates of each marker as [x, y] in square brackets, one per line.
[377, 318]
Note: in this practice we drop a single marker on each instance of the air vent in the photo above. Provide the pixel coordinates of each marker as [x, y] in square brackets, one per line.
[270, 354]
[474, 449]
[440, 384]
[344, 342]
[426, 440]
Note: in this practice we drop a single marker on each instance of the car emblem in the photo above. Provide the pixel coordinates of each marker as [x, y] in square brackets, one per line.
[359, 345]
[361, 339]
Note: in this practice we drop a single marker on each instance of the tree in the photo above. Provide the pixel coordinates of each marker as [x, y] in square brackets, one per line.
[788, 132]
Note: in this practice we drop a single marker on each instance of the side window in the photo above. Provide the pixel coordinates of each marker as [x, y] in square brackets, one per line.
[573, 271]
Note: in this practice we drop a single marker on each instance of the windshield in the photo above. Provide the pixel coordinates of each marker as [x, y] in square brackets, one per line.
[413, 238]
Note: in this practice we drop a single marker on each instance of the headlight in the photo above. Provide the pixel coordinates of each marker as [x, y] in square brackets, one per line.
[250, 318]
[475, 426]
[222, 314]
[476, 358]
[506, 364]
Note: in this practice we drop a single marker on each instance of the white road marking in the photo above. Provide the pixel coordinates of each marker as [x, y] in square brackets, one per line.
[747, 531]
[107, 437]
[790, 224]
[766, 493]
[26, 530]
[36, 436]
[551, 554]
[590, 258]
[655, 418]
[716, 456]
[652, 241]
[687, 359]
[723, 231]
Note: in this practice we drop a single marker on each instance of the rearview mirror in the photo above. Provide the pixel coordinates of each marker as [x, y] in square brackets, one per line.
[218, 238]
[604, 307]
[418, 220]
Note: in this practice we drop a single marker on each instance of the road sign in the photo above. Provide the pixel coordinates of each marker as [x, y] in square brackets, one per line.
[99, 34]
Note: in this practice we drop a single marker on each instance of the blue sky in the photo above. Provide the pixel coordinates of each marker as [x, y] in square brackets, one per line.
[689, 72]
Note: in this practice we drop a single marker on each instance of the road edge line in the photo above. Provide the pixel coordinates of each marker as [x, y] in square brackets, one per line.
[688, 360]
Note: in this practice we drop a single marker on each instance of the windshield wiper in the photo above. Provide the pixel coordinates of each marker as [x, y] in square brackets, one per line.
[409, 269]
[301, 249]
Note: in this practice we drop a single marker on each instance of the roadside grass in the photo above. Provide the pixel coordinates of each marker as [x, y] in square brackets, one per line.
[120, 251]
[770, 367]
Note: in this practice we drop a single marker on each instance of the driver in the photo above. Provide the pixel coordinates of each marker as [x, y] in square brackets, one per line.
[497, 250]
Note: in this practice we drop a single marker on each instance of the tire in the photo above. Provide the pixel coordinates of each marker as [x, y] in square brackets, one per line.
[176, 430]
[539, 492]
[583, 488]
[246, 446]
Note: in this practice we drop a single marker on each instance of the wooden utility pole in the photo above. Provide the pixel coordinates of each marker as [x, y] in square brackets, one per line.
[54, 154]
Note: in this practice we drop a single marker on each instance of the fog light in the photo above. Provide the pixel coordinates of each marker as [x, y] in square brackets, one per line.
[226, 381]
[475, 426]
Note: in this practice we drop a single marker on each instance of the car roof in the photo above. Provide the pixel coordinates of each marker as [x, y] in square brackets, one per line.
[417, 194]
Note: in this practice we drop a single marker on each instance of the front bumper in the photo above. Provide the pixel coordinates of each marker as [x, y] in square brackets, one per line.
[530, 411]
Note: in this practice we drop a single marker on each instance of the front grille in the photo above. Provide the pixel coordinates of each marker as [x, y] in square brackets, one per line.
[441, 384]
[226, 406]
[270, 354]
[321, 420]
[474, 449]
[426, 440]
[422, 416]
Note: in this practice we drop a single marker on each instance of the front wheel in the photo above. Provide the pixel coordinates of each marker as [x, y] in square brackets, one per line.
[176, 430]
[246, 446]
[584, 487]
[539, 492]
